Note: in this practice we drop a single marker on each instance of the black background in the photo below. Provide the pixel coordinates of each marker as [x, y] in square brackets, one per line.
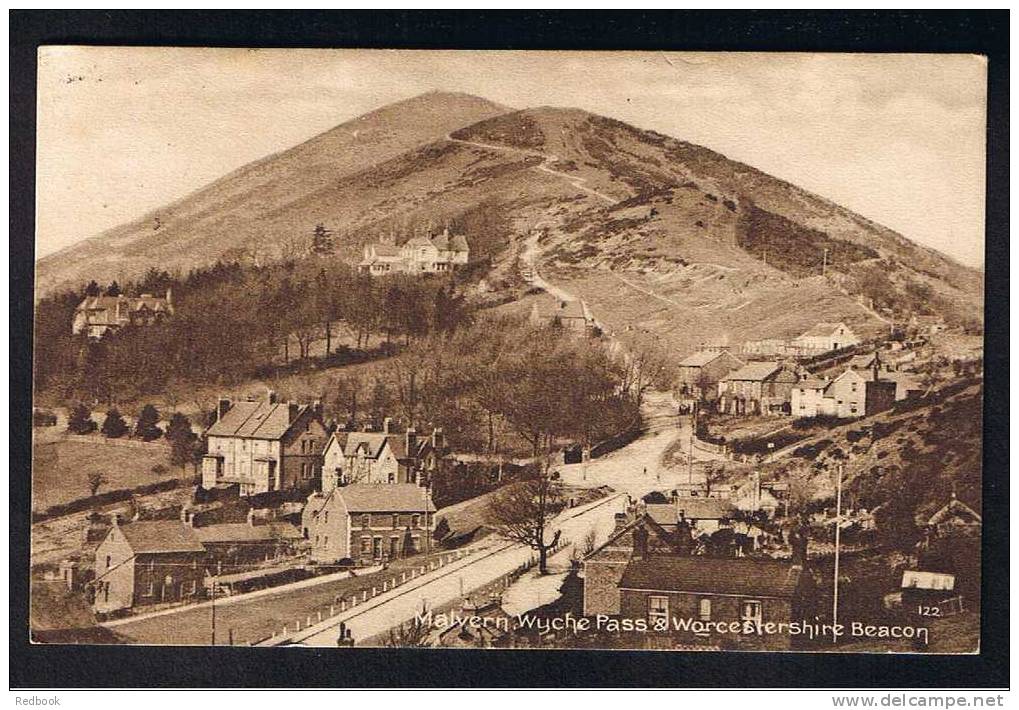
[833, 31]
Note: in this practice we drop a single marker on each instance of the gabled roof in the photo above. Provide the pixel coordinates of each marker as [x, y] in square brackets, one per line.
[458, 242]
[954, 507]
[386, 250]
[703, 357]
[256, 420]
[441, 240]
[418, 242]
[754, 371]
[243, 532]
[742, 576]
[155, 536]
[385, 498]
[823, 329]
[640, 521]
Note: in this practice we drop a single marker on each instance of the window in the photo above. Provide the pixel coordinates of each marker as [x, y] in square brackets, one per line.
[194, 564]
[705, 609]
[365, 521]
[366, 545]
[392, 477]
[109, 560]
[325, 541]
[150, 590]
[416, 521]
[750, 610]
[316, 541]
[396, 521]
[325, 518]
[657, 609]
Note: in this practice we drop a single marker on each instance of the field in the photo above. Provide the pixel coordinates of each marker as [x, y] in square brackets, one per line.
[61, 466]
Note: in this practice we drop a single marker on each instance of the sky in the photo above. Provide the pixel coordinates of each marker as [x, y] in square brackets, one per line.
[898, 138]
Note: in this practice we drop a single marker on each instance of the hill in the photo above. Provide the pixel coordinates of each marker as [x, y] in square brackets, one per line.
[656, 233]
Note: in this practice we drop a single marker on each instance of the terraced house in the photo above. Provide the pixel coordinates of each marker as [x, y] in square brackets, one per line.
[264, 446]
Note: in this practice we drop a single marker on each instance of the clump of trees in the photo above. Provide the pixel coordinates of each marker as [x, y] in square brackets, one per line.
[232, 321]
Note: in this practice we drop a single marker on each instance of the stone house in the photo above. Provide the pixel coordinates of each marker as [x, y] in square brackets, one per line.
[757, 388]
[700, 372]
[700, 515]
[745, 593]
[382, 457]
[368, 523]
[860, 394]
[147, 562]
[808, 398]
[265, 446]
[824, 337]
[96, 316]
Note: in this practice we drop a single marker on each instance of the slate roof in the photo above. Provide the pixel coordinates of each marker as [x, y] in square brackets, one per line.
[242, 532]
[813, 383]
[155, 536]
[418, 242]
[256, 420]
[754, 371]
[458, 242]
[822, 329]
[700, 358]
[744, 576]
[693, 508]
[384, 250]
[385, 498]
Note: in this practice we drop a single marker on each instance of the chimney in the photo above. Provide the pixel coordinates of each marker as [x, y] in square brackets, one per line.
[412, 440]
[387, 424]
[251, 517]
[316, 408]
[187, 517]
[115, 520]
[222, 407]
[169, 297]
[272, 396]
[640, 546]
[438, 439]
[292, 410]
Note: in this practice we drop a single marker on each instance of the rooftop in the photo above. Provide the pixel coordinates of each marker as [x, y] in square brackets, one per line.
[155, 536]
[754, 371]
[243, 532]
[701, 358]
[385, 498]
[693, 508]
[256, 420]
[708, 575]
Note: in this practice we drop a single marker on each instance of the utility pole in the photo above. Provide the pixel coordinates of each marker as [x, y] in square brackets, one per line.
[824, 263]
[213, 611]
[838, 528]
[689, 457]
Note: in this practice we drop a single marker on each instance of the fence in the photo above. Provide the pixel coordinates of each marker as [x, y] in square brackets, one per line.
[343, 603]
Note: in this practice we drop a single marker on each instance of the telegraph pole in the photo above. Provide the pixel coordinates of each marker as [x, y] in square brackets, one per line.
[824, 263]
[838, 528]
[689, 457]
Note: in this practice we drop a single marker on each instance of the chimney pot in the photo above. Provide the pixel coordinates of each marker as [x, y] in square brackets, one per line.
[387, 424]
[272, 396]
[222, 407]
[292, 409]
[412, 439]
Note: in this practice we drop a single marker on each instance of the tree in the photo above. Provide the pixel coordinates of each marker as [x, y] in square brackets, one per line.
[147, 426]
[114, 425]
[113, 289]
[80, 421]
[322, 242]
[96, 480]
[181, 438]
[523, 512]
[93, 289]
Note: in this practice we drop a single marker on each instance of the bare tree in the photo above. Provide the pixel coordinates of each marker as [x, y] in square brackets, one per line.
[523, 512]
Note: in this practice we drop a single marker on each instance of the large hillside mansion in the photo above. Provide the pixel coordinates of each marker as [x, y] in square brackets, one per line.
[437, 254]
[96, 316]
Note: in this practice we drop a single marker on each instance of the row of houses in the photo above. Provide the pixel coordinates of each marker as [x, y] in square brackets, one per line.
[867, 386]
[817, 340]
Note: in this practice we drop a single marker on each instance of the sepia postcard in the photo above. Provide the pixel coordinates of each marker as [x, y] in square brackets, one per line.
[508, 350]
